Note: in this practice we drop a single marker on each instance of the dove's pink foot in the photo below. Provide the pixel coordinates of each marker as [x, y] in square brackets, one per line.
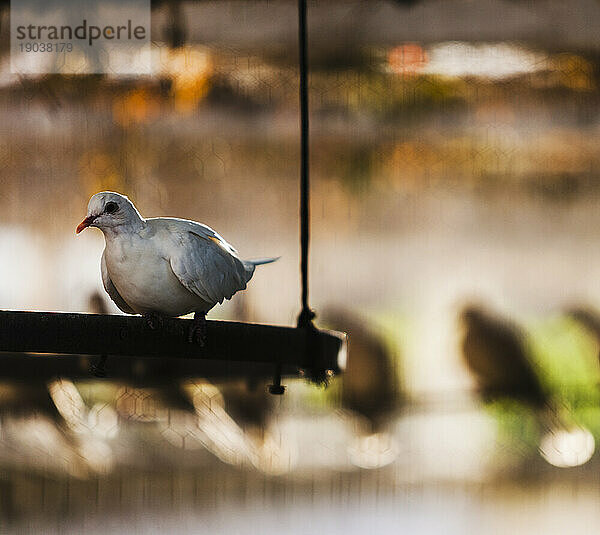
[197, 332]
[153, 320]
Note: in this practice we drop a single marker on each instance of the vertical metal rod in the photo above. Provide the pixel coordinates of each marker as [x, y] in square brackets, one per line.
[306, 315]
[276, 388]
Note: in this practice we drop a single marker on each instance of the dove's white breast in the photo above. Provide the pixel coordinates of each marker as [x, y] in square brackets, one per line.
[139, 268]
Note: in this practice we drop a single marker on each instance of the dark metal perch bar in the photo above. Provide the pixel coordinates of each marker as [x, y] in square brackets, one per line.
[229, 345]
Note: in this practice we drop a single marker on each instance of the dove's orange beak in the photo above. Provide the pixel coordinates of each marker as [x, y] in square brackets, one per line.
[85, 223]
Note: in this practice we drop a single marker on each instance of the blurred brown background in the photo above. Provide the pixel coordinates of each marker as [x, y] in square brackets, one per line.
[454, 160]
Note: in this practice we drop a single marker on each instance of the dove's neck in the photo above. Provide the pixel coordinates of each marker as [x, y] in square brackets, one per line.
[135, 226]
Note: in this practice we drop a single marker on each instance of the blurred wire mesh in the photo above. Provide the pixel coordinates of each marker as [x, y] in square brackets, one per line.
[455, 184]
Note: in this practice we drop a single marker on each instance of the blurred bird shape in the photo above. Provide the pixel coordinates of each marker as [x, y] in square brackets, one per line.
[588, 317]
[97, 303]
[248, 403]
[370, 389]
[369, 382]
[22, 400]
[495, 352]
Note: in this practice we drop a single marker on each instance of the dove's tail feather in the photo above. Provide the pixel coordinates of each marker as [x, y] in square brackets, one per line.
[250, 265]
[261, 261]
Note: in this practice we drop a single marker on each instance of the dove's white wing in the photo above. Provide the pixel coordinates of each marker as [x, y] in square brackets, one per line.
[206, 264]
[112, 291]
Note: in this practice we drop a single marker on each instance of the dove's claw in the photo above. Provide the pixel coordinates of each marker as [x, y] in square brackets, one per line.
[197, 332]
[154, 320]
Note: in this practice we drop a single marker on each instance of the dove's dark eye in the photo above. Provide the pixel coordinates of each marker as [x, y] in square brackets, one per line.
[111, 207]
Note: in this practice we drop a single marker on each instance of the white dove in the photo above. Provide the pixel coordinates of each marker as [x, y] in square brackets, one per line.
[164, 266]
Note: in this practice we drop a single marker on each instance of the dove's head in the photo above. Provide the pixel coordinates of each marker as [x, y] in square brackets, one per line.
[108, 210]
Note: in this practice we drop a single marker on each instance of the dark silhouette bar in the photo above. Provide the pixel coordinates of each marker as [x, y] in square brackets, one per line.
[230, 347]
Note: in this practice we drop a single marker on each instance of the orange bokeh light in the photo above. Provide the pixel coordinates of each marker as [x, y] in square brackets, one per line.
[407, 58]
